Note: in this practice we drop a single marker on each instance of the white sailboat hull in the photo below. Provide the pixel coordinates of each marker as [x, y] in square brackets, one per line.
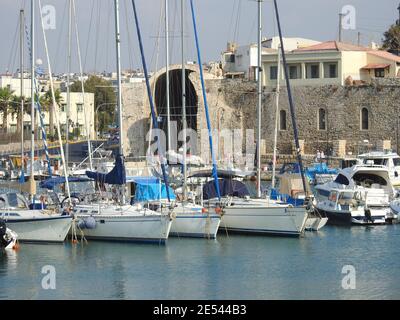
[47, 229]
[255, 217]
[127, 225]
[194, 223]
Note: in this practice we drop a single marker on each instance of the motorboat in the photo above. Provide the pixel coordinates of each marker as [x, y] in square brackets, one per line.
[389, 159]
[33, 225]
[359, 195]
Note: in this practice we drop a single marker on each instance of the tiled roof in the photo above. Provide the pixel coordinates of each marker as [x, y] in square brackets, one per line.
[332, 46]
[376, 66]
[385, 55]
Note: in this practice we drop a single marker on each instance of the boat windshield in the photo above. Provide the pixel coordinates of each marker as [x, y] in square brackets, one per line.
[377, 162]
[369, 180]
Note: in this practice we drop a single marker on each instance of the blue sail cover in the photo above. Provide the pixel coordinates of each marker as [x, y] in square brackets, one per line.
[227, 187]
[54, 181]
[149, 191]
[116, 176]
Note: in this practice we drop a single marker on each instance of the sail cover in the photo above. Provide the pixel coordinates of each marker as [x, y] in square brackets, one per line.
[227, 187]
[54, 181]
[116, 176]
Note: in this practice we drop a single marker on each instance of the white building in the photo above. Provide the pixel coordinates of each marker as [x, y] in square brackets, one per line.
[81, 111]
[241, 61]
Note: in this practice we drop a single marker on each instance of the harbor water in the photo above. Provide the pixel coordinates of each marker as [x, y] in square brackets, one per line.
[230, 267]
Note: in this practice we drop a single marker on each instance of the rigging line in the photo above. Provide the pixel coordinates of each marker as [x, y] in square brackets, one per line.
[155, 54]
[87, 131]
[88, 37]
[236, 33]
[172, 41]
[60, 37]
[97, 35]
[215, 172]
[290, 97]
[130, 47]
[55, 105]
[13, 49]
[150, 97]
[108, 35]
[230, 25]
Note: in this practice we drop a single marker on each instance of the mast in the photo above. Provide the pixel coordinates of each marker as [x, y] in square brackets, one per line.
[259, 94]
[21, 71]
[203, 89]
[167, 75]
[68, 110]
[148, 87]
[291, 103]
[32, 174]
[278, 81]
[183, 96]
[119, 93]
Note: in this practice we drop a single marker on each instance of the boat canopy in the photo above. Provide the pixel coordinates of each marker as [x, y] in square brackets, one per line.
[227, 187]
[151, 189]
[54, 181]
[116, 176]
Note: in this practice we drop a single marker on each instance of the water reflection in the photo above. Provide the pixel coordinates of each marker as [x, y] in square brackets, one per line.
[231, 267]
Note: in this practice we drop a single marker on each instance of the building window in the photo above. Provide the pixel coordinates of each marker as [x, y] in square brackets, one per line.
[321, 119]
[63, 107]
[282, 120]
[79, 107]
[364, 119]
[294, 72]
[312, 71]
[330, 70]
[273, 72]
[230, 58]
[380, 73]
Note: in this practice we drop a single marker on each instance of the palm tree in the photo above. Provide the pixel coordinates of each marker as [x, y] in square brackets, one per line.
[6, 99]
[15, 110]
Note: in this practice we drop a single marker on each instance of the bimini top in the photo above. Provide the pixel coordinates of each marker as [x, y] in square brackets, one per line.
[116, 176]
[227, 187]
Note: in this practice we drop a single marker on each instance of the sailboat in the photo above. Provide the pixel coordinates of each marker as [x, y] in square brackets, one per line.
[115, 219]
[241, 213]
[33, 225]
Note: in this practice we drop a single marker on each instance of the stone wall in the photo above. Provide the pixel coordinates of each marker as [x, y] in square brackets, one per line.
[233, 105]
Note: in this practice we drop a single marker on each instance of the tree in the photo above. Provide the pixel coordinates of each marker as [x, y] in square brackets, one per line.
[104, 96]
[391, 40]
[6, 99]
[15, 109]
[46, 101]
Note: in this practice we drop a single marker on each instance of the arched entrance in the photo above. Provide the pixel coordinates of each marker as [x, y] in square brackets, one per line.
[175, 86]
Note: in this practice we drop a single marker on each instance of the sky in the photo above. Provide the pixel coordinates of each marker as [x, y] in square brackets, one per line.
[218, 21]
